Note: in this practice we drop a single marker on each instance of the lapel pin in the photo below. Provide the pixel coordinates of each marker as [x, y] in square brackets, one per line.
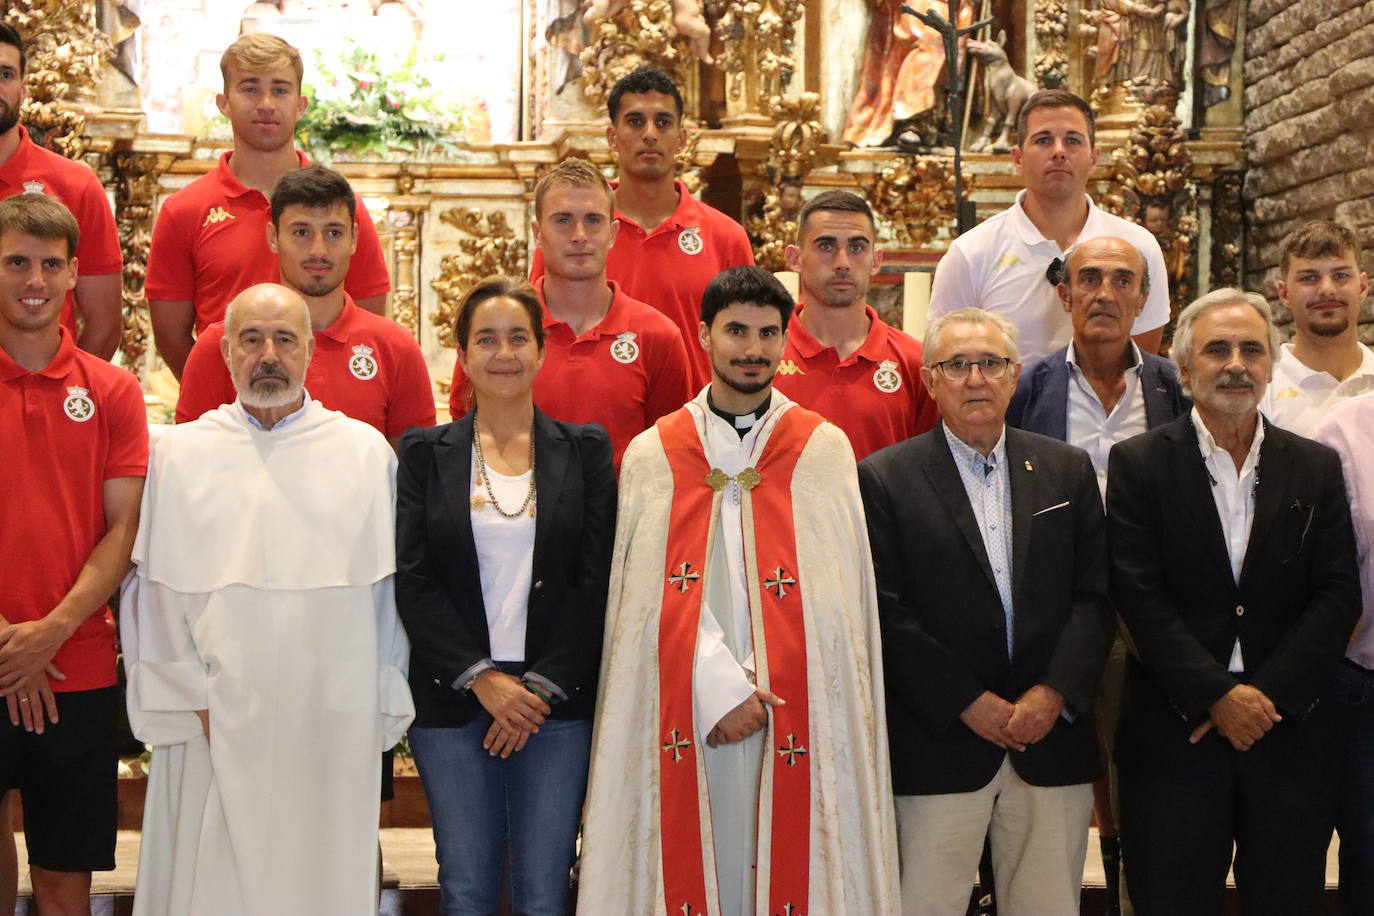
[1029, 466]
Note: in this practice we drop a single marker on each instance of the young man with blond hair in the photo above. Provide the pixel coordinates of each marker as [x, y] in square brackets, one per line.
[608, 358]
[210, 238]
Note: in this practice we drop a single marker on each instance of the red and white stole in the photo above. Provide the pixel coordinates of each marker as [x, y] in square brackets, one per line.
[779, 638]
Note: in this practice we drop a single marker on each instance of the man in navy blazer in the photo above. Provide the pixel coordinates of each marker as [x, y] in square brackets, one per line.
[1101, 388]
[1097, 391]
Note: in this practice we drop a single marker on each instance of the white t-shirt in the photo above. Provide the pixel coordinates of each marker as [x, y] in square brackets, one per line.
[999, 265]
[505, 560]
[1299, 397]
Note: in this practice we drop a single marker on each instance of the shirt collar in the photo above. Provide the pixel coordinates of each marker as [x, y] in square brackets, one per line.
[1032, 236]
[340, 328]
[58, 368]
[873, 348]
[284, 421]
[616, 321]
[1137, 361]
[969, 456]
[1207, 443]
[683, 217]
[235, 188]
[1300, 372]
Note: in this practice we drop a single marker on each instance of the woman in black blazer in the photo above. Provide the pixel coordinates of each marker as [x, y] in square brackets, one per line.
[504, 527]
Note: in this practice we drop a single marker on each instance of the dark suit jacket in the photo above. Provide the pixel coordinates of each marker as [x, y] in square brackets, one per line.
[439, 586]
[1041, 402]
[944, 632]
[1294, 608]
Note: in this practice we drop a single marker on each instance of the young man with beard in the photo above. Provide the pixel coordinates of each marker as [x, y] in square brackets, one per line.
[365, 366]
[26, 167]
[740, 762]
[842, 360]
[1322, 286]
[210, 238]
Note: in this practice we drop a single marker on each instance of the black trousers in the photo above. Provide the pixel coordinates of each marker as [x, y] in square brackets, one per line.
[1183, 807]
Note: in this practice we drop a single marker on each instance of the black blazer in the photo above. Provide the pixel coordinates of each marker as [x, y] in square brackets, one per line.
[1294, 608]
[944, 632]
[439, 587]
[1041, 402]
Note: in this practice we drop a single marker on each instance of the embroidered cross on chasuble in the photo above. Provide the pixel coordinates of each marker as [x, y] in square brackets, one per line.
[779, 639]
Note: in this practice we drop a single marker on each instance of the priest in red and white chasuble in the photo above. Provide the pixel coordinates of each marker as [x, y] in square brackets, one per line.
[740, 563]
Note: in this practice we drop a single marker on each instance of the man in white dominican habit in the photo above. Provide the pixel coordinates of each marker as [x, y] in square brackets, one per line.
[739, 764]
[266, 663]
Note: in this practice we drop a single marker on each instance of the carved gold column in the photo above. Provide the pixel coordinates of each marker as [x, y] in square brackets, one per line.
[135, 192]
[640, 33]
[66, 58]
[1051, 35]
[757, 54]
[491, 248]
[791, 156]
[406, 216]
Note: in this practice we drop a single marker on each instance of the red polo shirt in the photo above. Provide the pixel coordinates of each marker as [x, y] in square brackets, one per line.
[34, 168]
[876, 395]
[624, 373]
[669, 267]
[64, 431]
[210, 244]
[365, 366]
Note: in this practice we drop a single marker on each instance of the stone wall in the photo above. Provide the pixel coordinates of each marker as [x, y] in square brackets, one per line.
[1309, 124]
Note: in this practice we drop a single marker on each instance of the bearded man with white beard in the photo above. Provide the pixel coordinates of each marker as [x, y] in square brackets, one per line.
[266, 662]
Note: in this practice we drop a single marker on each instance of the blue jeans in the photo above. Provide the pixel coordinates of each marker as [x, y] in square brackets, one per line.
[1354, 696]
[485, 809]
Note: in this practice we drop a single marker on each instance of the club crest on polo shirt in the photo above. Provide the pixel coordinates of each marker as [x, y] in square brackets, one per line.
[624, 349]
[362, 364]
[689, 240]
[78, 405]
[216, 215]
[886, 377]
[34, 187]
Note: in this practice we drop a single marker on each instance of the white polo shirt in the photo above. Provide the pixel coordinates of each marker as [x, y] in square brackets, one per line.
[999, 265]
[1299, 397]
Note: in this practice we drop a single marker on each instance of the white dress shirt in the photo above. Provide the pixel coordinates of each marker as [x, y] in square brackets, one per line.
[1349, 428]
[1234, 494]
[1091, 427]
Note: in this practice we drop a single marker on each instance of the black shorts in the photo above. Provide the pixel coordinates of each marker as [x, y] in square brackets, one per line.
[68, 780]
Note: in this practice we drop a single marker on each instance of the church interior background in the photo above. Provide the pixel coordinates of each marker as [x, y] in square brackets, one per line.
[1222, 124]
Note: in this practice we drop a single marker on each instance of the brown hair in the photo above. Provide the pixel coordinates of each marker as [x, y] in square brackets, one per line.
[40, 216]
[498, 287]
[1054, 98]
[835, 201]
[1318, 238]
[261, 51]
[578, 173]
[312, 186]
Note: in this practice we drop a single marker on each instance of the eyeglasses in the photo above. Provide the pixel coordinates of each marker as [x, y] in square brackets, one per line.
[958, 368]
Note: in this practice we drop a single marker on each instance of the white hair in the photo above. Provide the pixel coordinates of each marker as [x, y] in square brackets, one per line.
[1181, 348]
[970, 316]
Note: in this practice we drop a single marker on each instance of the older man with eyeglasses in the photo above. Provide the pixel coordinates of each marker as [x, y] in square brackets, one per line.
[990, 557]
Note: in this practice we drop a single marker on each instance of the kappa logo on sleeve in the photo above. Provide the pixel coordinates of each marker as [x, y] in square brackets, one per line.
[1008, 260]
[216, 215]
[790, 367]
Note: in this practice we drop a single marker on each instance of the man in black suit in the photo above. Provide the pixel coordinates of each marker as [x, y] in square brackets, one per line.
[1233, 568]
[992, 588]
